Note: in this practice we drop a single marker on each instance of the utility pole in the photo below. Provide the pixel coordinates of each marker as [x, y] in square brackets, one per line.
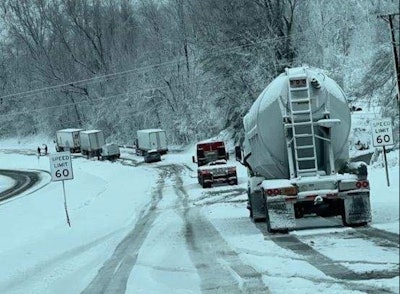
[389, 19]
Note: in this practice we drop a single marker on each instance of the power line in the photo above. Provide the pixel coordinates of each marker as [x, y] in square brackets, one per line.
[79, 82]
[104, 98]
[139, 69]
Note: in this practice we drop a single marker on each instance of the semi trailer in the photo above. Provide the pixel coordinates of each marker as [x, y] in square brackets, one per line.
[68, 140]
[92, 142]
[151, 139]
[296, 152]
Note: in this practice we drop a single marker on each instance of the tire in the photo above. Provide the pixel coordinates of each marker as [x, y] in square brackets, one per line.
[206, 185]
[298, 212]
[269, 225]
[250, 208]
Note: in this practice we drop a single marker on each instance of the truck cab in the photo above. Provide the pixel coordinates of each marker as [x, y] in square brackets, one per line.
[211, 159]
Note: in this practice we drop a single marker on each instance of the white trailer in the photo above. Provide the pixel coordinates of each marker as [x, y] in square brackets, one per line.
[68, 140]
[92, 142]
[297, 154]
[151, 139]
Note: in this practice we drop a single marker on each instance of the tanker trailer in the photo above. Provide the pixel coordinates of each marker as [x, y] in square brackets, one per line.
[296, 151]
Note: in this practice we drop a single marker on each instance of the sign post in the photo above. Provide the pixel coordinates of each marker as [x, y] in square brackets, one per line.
[61, 169]
[382, 135]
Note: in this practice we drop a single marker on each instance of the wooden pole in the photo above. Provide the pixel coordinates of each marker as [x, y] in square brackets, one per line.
[390, 18]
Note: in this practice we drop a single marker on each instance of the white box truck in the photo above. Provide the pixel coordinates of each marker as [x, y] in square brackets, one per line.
[92, 142]
[68, 140]
[151, 139]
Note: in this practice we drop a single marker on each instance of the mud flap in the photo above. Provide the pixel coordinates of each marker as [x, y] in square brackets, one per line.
[280, 215]
[357, 209]
[258, 206]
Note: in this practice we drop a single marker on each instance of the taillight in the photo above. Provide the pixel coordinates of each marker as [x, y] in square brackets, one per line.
[351, 185]
[232, 170]
[363, 184]
[273, 192]
[205, 172]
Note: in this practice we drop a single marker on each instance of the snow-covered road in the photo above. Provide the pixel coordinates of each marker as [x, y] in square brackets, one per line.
[150, 228]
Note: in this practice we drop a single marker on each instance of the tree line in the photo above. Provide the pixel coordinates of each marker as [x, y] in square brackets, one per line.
[191, 67]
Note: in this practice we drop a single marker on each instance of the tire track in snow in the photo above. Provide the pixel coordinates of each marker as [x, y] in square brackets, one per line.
[23, 181]
[378, 235]
[326, 265]
[112, 277]
[223, 196]
[219, 267]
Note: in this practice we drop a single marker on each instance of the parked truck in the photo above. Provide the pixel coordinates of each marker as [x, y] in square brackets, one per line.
[297, 155]
[92, 142]
[212, 164]
[151, 139]
[68, 140]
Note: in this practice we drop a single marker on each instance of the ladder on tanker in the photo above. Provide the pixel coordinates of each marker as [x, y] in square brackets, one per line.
[305, 154]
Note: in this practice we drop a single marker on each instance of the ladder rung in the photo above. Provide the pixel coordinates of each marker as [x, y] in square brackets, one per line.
[300, 100]
[305, 170]
[301, 111]
[303, 123]
[306, 158]
[298, 89]
[303, 135]
[305, 147]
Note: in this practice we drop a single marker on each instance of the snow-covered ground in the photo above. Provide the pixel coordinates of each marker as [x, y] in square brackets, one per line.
[40, 253]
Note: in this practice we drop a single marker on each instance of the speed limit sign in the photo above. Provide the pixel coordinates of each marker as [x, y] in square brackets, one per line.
[61, 166]
[382, 133]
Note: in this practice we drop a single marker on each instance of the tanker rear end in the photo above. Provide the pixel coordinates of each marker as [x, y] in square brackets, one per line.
[296, 151]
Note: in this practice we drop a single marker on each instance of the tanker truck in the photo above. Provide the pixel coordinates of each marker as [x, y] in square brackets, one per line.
[296, 152]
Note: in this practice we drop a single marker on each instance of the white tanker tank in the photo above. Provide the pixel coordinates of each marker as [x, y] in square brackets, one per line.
[296, 151]
[265, 140]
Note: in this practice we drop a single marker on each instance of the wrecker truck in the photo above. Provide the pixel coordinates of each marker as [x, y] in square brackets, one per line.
[212, 164]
